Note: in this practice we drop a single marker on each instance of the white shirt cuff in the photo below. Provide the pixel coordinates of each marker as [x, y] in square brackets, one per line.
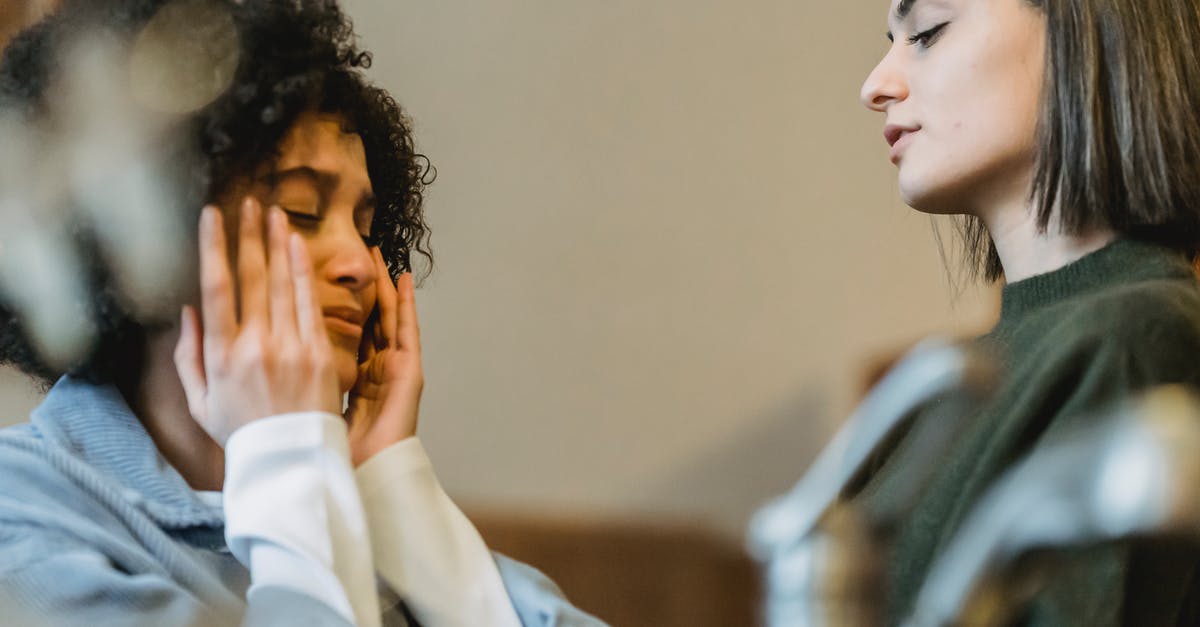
[293, 514]
[425, 547]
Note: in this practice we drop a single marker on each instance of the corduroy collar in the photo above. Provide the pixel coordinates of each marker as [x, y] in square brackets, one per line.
[94, 424]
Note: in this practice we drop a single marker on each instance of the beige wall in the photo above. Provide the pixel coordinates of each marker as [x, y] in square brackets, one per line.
[668, 240]
[18, 395]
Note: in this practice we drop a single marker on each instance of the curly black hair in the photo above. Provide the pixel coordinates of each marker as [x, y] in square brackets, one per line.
[295, 56]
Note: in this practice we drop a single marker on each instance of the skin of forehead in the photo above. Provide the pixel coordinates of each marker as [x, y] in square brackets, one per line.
[318, 141]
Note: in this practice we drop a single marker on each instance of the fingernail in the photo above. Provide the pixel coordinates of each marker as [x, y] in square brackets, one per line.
[207, 218]
[296, 247]
[250, 209]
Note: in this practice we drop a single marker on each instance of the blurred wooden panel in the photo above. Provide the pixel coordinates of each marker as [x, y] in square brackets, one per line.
[631, 574]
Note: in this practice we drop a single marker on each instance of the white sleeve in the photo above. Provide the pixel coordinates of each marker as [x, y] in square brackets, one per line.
[425, 547]
[293, 514]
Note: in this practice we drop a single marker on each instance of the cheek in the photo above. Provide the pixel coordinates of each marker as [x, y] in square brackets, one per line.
[974, 114]
[370, 297]
[996, 125]
[952, 113]
[347, 370]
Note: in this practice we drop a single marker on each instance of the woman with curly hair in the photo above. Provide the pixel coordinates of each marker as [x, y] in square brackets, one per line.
[210, 471]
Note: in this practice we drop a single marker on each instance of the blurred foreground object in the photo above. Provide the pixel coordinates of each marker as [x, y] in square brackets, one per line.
[1135, 475]
[15, 15]
[822, 556]
[84, 183]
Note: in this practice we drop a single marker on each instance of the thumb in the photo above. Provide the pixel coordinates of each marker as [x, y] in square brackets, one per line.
[189, 362]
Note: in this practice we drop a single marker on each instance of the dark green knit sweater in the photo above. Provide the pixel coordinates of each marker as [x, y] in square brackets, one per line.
[1072, 341]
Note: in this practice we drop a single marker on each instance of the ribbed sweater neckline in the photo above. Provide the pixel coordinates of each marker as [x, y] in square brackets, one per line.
[1121, 262]
[93, 424]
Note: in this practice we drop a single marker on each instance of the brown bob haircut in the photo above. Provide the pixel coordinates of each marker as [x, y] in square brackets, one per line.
[1118, 142]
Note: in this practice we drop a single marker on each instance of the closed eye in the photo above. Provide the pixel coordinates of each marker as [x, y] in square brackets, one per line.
[927, 37]
[302, 220]
[364, 218]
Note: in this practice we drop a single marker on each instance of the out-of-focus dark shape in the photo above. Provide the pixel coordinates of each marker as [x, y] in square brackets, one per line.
[18, 14]
[932, 369]
[822, 555]
[185, 57]
[89, 168]
[1135, 475]
[40, 268]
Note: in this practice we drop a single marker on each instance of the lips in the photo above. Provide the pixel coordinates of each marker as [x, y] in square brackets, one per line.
[892, 133]
[897, 136]
[347, 320]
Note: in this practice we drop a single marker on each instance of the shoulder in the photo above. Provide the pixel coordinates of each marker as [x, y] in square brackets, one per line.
[1149, 322]
[1107, 343]
[1080, 355]
[28, 460]
[29, 465]
[44, 494]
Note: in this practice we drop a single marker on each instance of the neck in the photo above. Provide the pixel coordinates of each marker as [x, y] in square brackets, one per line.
[1026, 250]
[160, 404]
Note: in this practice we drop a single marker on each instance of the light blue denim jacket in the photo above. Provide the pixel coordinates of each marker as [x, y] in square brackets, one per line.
[97, 529]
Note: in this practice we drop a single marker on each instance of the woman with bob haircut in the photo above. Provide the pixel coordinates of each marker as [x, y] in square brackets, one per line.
[1067, 132]
[201, 469]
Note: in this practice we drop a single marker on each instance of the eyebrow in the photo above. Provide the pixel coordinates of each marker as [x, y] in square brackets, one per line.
[902, 10]
[320, 179]
[325, 181]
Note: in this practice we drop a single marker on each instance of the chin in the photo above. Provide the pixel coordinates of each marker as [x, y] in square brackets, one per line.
[926, 195]
[347, 370]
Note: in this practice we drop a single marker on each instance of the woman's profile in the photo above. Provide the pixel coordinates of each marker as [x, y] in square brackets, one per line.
[1068, 134]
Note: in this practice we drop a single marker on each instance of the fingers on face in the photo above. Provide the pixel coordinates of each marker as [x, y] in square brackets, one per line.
[406, 305]
[385, 297]
[189, 361]
[274, 280]
[252, 265]
[279, 270]
[216, 283]
[309, 320]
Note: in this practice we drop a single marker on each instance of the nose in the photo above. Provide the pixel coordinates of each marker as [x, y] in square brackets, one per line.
[885, 85]
[347, 261]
